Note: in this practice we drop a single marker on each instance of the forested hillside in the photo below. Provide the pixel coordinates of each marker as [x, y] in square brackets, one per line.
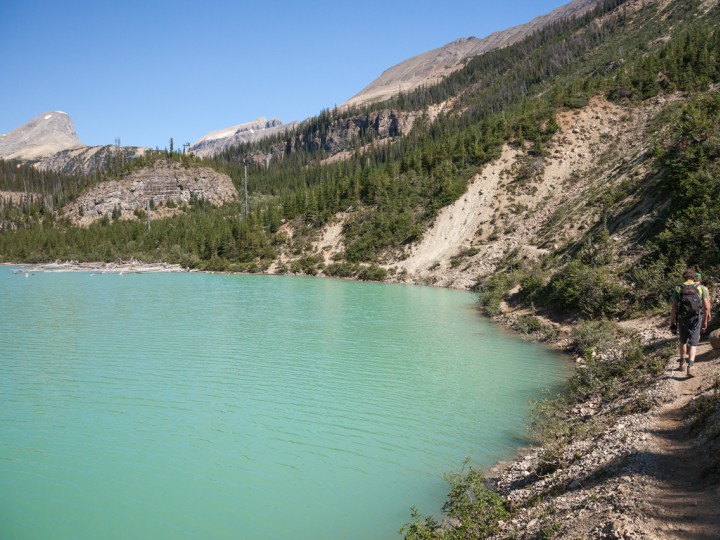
[393, 188]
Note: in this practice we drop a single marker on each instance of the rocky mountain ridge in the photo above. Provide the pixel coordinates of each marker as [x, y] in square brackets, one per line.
[432, 66]
[50, 143]
[248, 132]
[50, 133]
[340, 137]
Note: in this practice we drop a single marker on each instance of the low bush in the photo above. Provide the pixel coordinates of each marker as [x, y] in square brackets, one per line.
[308, 264]
[493, 291]
[531, 325]
[614, 361]
[593, 290]
[473, 511]
[372, 273]
[342, 269]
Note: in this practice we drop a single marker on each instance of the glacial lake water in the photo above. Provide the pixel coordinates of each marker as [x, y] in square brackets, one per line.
[195, 406]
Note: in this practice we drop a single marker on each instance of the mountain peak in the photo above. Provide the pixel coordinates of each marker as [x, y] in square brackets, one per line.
[46, 134]
[431, 66]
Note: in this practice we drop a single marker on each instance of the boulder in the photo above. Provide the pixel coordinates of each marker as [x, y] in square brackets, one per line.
[714, 339]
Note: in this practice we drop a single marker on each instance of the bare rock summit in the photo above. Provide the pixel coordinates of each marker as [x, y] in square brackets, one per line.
[44, 135]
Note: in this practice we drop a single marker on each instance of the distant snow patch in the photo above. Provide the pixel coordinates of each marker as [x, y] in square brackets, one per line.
[48, 116]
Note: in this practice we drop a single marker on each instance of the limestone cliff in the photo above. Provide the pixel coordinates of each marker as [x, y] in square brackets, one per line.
[339, 137]
[314, 134]
[165, 182]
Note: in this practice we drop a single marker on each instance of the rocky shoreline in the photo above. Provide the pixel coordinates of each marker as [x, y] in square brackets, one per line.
[632, 467]
[118, 267]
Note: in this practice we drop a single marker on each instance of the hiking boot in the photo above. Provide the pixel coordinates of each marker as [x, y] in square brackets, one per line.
[689, 370]
[681, 365]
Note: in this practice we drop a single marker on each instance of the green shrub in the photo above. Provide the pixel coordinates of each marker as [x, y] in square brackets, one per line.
[493, 291]
[592, 336]
[613, 362]
[551, 428]
[593, 290]
[342, 269]
[308, 264]
[532, 284]
[474, 509]
[653, 281]
[531, 325]
[372, 273]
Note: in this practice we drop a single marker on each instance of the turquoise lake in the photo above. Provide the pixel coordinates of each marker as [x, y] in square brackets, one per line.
[246, 407]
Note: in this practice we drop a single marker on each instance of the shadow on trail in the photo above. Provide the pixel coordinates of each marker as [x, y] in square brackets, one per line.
[708, 355]
[686, 500]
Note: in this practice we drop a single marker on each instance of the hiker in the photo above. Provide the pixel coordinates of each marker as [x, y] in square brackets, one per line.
[689, 316]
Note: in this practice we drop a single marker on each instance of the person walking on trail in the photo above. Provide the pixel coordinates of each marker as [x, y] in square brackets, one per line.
[689, 316]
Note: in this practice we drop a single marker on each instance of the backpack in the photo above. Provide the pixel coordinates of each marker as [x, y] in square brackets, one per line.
[690, 302]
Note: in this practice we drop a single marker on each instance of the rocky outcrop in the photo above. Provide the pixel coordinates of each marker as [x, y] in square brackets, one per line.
[42, 136]
[342, 134]
[332, 137]
[315, 134]
[163, 183]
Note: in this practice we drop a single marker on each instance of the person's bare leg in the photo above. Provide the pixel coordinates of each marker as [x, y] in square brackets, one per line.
[691, 359]
[683, 355]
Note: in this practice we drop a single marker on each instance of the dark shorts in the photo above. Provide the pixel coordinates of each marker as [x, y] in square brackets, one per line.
[689, 330]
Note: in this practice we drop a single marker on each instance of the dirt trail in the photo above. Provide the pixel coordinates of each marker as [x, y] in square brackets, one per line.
[681, 509]
[640, 472]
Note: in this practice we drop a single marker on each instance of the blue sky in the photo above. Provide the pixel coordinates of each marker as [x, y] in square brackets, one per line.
[146, 71]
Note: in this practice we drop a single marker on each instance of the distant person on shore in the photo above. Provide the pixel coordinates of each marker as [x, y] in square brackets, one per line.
[689, 316]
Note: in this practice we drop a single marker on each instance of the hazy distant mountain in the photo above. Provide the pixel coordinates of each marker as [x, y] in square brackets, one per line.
[87, 160]
[219, 140]
[429, 67]
[44, 135]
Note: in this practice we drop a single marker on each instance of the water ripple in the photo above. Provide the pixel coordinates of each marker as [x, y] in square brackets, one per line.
[252, 407]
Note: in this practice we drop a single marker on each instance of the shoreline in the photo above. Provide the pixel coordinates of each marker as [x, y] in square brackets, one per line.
[620, 455]
[125, 267]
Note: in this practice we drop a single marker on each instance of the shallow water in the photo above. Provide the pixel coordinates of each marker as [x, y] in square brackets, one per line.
[254, 407]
